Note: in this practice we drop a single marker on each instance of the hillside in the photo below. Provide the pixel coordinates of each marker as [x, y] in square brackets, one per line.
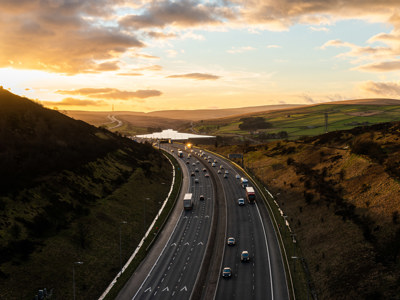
[140, 123]
[341, 194]
[308, 120]
[65, 188]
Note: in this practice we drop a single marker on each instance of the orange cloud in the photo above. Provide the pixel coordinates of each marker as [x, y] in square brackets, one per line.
[196, 76]
[73, 102]
[386, 89]
[385, 66]
[59, 37]
[114, 94]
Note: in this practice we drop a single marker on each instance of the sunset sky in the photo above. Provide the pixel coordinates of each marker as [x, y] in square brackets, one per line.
[156, 55]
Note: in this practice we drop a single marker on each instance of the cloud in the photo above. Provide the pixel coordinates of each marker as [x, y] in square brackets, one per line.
[110, 93]
[273, 46]
[235, 50]
[196, 76]
[171, 52]
[73, 102]
[386, 89]
[385, 66]
[313, 28]
[65, 37]
[108, 66]
[184, 13]
[145, 55]
[130, 74]
[161, 35]
[308, 98]
[149, 68]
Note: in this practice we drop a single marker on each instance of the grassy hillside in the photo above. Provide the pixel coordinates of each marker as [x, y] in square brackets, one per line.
[308, 120]
[341, 194]
[135, 123]
[65, 188]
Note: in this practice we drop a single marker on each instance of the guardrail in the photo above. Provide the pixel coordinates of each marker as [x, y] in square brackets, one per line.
[275, 223]
[106, 293]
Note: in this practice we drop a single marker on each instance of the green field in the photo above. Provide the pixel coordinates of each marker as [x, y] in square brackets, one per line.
[310, 120]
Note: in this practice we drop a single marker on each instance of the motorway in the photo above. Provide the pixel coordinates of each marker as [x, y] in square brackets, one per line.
[175, 271]
[263, 277]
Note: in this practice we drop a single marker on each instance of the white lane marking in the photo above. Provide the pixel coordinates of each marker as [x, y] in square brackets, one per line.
[269, 259]
[148, 290]
[166, 289]
[184, 288]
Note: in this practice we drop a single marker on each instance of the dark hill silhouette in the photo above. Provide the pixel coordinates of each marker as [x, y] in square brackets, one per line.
[36, 141]
[64, 187]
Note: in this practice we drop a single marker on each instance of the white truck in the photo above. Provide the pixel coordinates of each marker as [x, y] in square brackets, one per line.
[188, 201]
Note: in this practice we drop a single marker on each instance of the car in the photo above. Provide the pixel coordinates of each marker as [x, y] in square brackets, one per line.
[227, 272]
[197, 162]
[231, 241]
[241, 201]
[193, 164]
[196, 180]
[206, 175]
[192, 174]
[237, 176]
[196, 170]
[213, 164]
[225, 175]
[221, 166]
[204, 170]
[209, 161]
[188, 162]
[201, 197]
[226, 172]
[219, 171]
[172, 150]
[215, 160]
[244, 256]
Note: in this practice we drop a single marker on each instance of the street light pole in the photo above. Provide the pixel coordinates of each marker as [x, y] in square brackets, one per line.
[120, 245]
[144, 215]
[73, 275]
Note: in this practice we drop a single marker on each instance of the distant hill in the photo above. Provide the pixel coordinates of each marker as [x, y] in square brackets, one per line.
[65, 188]
[168, 118]
[207, 114]
[372, 101]
[295, 122]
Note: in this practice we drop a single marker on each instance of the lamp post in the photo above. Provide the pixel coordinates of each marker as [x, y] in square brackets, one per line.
[120, 245]
[73, 275]
[144, 215]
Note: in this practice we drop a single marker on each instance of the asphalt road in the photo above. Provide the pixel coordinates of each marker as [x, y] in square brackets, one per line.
[263, 277]
[175, 272]
[173, 266]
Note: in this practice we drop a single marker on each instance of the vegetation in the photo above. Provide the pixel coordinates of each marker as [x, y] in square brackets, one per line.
[294, 123]
[340, 194]
[66, 188]
[254, 123]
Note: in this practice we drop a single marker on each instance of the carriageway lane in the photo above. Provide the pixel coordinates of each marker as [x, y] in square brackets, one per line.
[172, 276]
[264, 276]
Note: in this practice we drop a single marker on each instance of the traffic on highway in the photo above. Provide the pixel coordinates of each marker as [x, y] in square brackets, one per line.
[250, 264]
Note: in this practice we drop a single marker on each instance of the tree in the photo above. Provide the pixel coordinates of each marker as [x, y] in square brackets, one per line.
[254, 123]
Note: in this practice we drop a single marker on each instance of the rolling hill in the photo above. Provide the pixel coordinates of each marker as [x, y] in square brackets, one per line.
[340, 194]
[65, 188]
